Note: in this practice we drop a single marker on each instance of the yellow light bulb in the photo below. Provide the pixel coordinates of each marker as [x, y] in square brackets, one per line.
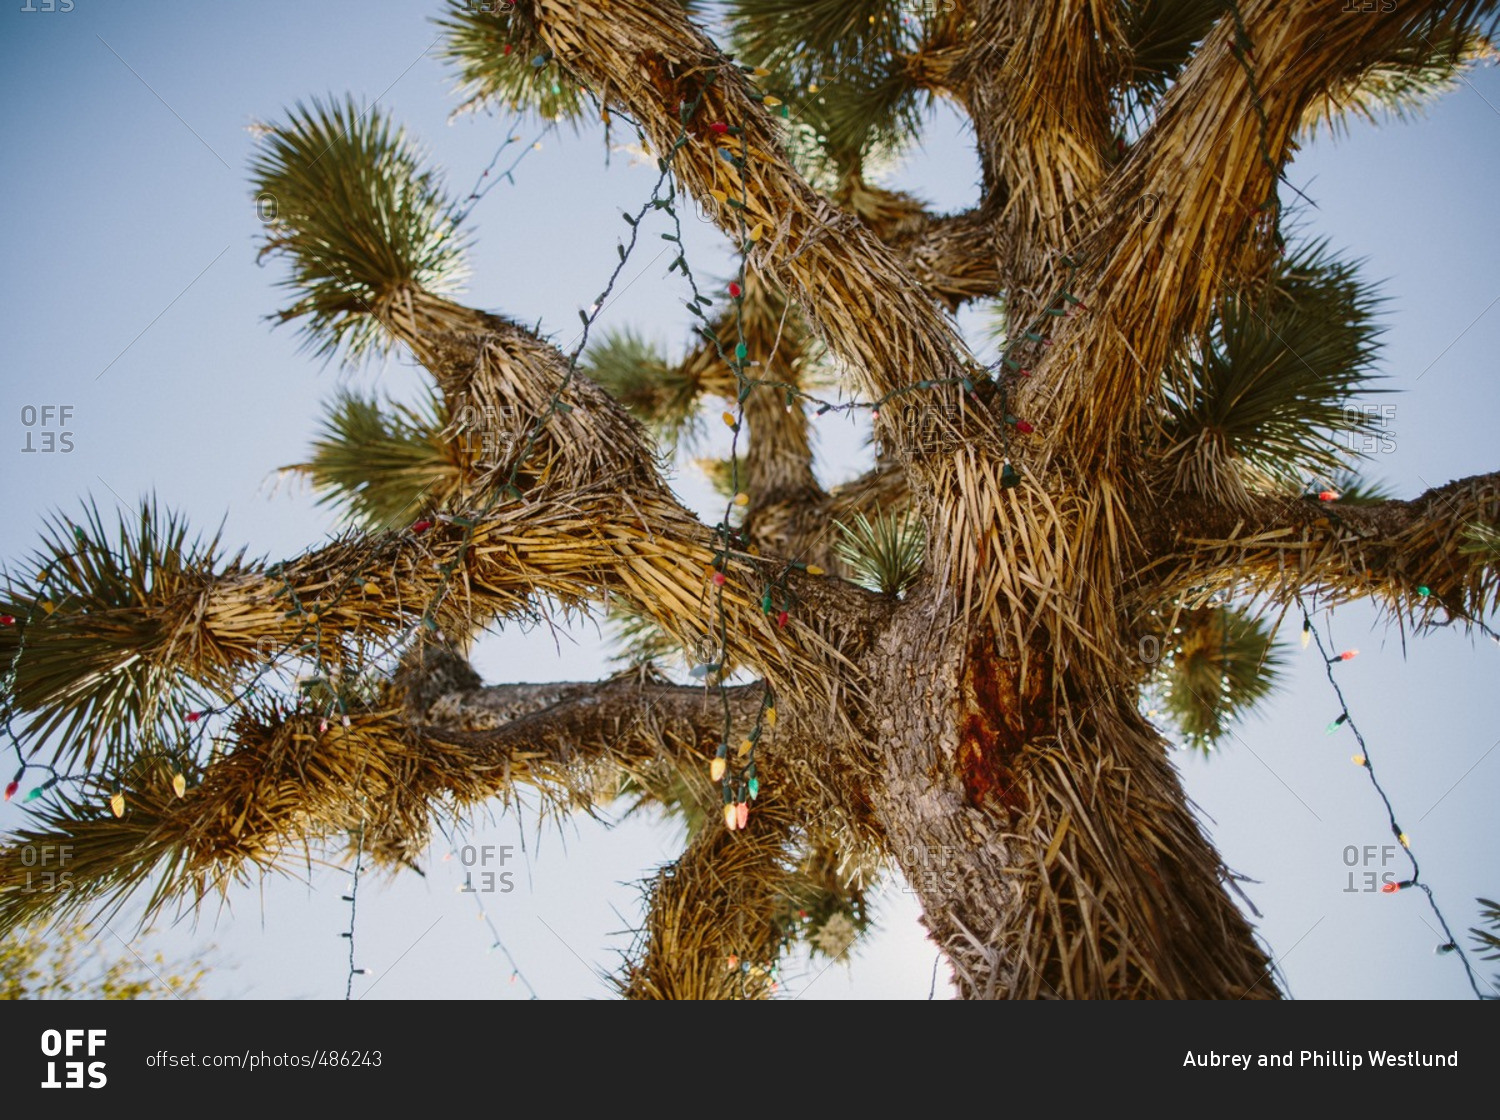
[179, 784]
[1357, 759]
[117, 804]
[716, 768]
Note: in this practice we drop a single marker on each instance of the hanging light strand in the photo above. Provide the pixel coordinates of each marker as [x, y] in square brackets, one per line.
[1345, 719]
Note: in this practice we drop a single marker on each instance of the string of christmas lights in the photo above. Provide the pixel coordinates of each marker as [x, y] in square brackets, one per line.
[352, 898]
[487, 181]
[8, 692]
[1362, 759]
[310, 636]
[738, 781]
[497, 942]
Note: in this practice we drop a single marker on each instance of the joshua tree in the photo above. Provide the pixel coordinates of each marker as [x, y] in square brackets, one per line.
[937, 669]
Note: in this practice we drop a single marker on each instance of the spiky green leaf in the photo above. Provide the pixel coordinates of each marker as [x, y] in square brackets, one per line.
[98, 670]
[502, 62]
[838, 67]
[1217, 665]
[884, 553]
[1269, 392]
[380, 464]
[636, 372]
[1160, 36]
[1402, 85]
[360, 223]
[1487, 941]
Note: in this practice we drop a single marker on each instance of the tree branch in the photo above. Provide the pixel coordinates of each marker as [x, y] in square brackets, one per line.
[957, 258]
[715, 917]
[1193, 207]
[1280, 547]
[288, 778]
[649, 60]
[1042, 131]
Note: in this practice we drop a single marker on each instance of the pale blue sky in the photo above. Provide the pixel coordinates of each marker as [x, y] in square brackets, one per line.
[134, 297]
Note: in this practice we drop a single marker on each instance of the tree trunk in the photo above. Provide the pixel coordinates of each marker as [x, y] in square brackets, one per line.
[1046, 832]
